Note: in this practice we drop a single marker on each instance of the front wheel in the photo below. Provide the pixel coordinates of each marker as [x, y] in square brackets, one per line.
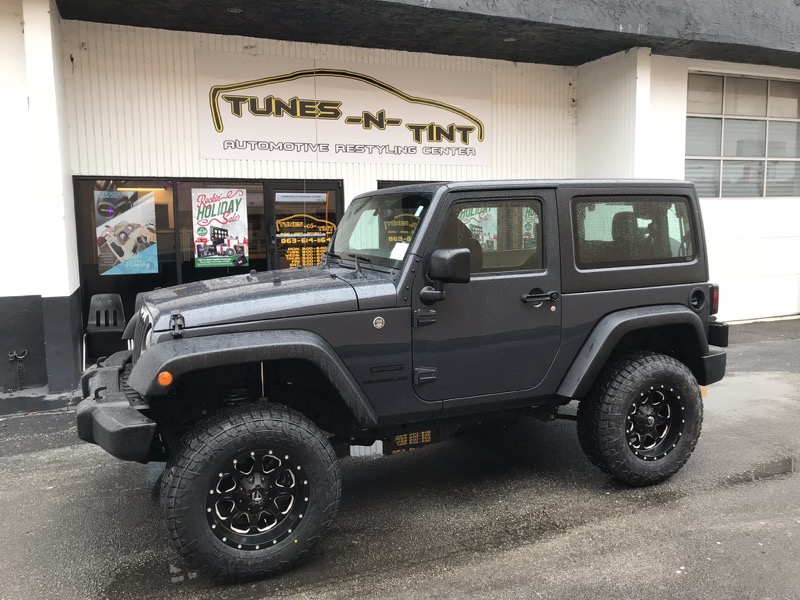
[642, 420]
[250, 491]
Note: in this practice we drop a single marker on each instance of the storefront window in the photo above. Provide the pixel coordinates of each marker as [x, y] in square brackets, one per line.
[126, 237]
[136, 235]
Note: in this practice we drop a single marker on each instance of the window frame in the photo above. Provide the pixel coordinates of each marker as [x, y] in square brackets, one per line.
[765, 160]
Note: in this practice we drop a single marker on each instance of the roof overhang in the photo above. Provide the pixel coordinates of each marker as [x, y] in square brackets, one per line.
[546, 31]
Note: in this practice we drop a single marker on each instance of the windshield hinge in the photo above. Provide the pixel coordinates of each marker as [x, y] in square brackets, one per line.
[176, 323]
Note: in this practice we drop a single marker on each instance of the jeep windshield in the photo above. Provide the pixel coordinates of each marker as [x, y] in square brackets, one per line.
[378, 229]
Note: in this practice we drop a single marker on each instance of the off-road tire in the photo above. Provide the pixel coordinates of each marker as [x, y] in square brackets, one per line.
[194, 466]
[603, 418]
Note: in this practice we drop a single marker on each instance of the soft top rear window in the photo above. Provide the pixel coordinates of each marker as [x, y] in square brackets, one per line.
[629, 231]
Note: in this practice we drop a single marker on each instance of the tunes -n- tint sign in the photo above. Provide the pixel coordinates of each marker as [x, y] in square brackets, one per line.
[257, 108]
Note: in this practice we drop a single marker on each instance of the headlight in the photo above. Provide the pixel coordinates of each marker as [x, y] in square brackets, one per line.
[148, 337]
[146, 323]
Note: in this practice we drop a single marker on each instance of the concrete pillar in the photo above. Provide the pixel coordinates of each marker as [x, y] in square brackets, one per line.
[39, 295]
[613, 102]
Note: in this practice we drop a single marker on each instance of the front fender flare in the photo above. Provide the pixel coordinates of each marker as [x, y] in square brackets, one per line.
[182, 356]
[609, 331]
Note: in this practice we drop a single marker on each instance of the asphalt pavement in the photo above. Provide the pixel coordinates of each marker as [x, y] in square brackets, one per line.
[497, 514]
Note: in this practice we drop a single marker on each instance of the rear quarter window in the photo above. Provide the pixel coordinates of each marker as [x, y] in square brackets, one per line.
[619, 232]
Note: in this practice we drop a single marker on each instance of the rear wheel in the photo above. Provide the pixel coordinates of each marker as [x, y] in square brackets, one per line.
[250, 491]
[642, 420]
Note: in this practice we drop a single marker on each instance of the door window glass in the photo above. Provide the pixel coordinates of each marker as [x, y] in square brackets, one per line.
[501, 235]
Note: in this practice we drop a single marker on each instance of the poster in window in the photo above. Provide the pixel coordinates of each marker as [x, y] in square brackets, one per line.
[219, 218]
[126, 232]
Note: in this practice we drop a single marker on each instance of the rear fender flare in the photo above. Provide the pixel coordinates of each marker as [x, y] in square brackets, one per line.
[182, 356]
[603, 340]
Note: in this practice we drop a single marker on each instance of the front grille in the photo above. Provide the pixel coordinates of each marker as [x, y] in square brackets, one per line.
[132, 395]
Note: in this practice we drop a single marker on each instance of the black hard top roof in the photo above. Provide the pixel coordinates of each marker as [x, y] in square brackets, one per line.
[515, 184]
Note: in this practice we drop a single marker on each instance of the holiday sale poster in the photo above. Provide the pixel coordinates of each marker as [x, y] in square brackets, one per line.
[219, 219]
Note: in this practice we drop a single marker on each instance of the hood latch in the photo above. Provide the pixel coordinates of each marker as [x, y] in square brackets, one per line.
[177, 324]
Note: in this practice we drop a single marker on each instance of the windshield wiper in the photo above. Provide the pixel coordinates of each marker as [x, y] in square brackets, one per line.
[332, 254]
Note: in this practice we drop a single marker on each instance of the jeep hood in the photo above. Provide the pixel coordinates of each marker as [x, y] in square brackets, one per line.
[269, 295]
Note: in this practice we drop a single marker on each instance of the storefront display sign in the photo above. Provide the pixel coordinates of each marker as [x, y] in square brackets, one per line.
[303, 239]
[219, 219]
[277, 108]
[126, 232]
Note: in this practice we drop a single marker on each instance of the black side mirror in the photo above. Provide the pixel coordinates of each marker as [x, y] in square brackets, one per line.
[450, 265]
[447, 266]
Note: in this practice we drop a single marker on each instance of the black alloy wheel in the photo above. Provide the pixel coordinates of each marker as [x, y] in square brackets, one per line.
[655, 422]
[257, 499]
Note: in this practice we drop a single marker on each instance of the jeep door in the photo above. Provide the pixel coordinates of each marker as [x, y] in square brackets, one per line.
[499, 333]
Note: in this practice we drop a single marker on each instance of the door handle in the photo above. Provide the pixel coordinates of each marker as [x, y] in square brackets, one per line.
[537, 296]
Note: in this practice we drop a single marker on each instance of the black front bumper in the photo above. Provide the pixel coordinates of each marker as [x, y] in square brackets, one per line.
[110, 417]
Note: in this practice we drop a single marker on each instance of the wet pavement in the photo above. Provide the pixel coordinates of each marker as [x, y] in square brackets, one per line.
[500, 514]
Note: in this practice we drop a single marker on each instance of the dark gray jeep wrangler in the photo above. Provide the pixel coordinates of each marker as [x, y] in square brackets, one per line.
[437, 307]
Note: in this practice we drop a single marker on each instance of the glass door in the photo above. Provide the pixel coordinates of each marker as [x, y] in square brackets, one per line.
[304, 215]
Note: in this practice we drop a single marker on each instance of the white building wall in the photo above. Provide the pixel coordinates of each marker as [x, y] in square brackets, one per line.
[133, 111]
[13, 101]
[35, 173]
